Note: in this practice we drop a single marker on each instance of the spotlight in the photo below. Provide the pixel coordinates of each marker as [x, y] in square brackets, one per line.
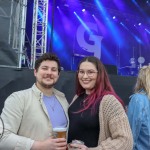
[114, 17]
[93, 15]
[83, 10]
[66, 5]
[139, 24]
[57, 7]
[147, 31]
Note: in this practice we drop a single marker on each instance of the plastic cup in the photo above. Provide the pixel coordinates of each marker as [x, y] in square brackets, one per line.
[59, 132]
[74, 142]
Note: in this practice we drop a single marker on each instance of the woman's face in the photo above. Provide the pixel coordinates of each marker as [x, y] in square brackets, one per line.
[87, 75]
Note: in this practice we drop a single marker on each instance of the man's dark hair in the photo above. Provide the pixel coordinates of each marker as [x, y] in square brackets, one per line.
[47, 56]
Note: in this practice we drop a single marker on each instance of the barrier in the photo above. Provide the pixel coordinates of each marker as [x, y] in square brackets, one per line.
[14, 80]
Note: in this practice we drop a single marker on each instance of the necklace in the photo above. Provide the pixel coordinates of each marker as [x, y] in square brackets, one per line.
[84, 98]
[52, 103]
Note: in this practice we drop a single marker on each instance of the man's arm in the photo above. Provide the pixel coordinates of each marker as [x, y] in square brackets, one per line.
[12, 116]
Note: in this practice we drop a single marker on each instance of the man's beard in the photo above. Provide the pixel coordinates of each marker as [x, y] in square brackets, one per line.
[47, 86]
[50, 85]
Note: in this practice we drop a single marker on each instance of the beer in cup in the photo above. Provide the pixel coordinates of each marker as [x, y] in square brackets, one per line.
[59, 132]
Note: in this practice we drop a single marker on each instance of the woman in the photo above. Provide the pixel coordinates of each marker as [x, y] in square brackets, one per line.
[139, 110]
[96, 114]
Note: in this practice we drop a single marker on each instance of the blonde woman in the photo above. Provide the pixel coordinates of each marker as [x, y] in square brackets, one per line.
[139, 110]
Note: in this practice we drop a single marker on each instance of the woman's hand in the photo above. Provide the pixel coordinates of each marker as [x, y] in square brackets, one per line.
[78, 147]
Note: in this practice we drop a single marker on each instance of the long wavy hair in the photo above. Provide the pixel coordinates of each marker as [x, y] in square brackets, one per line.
[102, 86]
[143, 80]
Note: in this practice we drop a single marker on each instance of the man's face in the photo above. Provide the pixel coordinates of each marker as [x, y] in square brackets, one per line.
[47, 74]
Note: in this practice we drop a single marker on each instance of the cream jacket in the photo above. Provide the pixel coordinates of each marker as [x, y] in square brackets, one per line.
[26, 118]
[115, 132]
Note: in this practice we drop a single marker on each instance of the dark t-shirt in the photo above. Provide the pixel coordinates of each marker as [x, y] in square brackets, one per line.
[83, 126]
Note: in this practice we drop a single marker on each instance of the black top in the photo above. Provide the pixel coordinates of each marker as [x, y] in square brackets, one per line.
[83, 126]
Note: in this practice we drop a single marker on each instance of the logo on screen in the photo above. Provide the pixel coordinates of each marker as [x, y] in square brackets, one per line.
[88, 38]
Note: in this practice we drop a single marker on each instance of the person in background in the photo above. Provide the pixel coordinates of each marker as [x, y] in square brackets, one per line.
[30, 115]
[97, 116]
[139, 110]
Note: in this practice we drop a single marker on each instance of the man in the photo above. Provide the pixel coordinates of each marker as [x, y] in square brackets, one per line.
[30, 115]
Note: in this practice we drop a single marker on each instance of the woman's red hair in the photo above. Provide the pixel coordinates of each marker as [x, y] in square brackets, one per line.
[102, 87]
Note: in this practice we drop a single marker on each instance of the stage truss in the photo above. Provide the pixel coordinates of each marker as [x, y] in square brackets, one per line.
[13, 12]
[16, 15]
[39, 29]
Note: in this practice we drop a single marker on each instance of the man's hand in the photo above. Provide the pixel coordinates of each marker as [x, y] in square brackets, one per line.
[50, 144]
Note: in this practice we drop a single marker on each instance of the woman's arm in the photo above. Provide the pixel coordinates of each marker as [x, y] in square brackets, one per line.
[135, 113]
[115, 132]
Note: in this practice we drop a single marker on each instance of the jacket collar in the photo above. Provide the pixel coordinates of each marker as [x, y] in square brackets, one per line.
[38, 93]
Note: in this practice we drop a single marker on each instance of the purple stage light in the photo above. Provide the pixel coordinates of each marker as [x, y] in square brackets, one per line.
[66, 5]
[147, 31]
[83, 10]
[114, 17]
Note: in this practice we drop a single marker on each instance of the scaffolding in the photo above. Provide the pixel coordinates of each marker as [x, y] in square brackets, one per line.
[22, 27]
[39, 29]
[13, 15]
